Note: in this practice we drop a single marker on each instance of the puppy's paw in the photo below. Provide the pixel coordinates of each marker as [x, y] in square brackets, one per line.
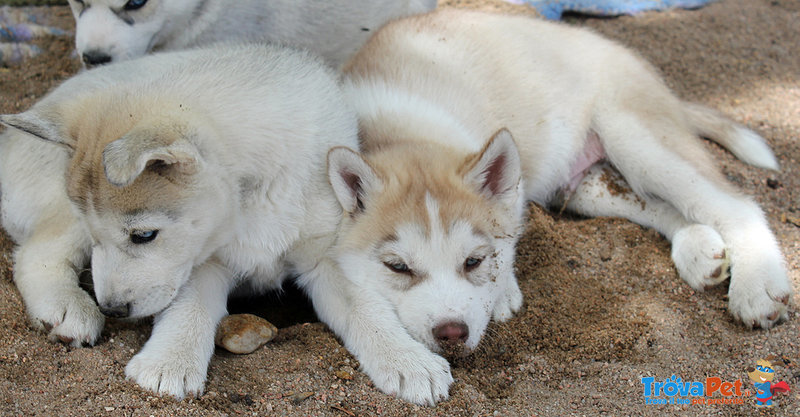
[68, 315]
[171, 371]
[700, 256]
[760, 293]
[416, 375]
[508, 303]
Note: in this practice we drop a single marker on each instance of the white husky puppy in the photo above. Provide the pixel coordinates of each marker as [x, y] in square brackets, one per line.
[434, 201]
[178, 174]
[113, 30]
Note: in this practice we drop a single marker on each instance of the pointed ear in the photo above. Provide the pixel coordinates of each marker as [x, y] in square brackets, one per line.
[495, 172]
[351, 177]
[127, 157]
[45, 128]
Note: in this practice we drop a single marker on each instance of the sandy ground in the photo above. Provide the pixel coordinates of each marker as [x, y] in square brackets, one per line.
[604, 306]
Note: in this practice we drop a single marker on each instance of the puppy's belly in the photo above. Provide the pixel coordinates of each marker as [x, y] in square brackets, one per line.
[591, 154]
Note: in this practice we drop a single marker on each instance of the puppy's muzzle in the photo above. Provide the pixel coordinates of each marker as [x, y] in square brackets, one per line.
[94, 58]
[451, 333]
[116, 311]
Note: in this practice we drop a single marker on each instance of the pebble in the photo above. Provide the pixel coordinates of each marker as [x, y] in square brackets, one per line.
[244, 333]
[345, 372]
[301, 396]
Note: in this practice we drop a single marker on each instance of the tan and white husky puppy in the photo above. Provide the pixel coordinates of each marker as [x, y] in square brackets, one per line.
[434, 200]
[180, 175]
[115, 30]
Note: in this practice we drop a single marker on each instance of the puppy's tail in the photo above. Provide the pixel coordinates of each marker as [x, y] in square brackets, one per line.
[741, 141]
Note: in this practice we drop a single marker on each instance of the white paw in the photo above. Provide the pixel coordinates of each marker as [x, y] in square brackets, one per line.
[174, 370]
[760, 292]
[68, 314]
[416, 375]
[508, 303]
[700, 256]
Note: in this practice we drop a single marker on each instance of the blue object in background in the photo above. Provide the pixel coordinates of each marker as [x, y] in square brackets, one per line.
[19, 25]
[553, 9]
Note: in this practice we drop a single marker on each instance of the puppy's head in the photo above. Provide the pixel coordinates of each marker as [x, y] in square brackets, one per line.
[115, 30]
[140, 182]
[432, 233]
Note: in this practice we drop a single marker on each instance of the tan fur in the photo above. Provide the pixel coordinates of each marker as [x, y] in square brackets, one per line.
[91, 129]
[423, 169]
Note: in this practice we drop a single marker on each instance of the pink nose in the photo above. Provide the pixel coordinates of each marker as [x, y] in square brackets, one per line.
[451, 332]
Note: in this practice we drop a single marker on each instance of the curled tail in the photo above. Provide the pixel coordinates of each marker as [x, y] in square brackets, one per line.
[739, 140]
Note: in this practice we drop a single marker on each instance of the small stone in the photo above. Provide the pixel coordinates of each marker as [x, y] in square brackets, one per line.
[301, 396]
[773, 183]
[345, 373]
[244, 333]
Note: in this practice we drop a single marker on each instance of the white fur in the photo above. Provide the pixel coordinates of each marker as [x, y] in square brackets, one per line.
[260, 120]
[452, 78]
[334, 29]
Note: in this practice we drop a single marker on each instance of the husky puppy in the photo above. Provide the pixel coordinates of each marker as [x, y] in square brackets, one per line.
[433, 203]
[113, 30]
[178, 175]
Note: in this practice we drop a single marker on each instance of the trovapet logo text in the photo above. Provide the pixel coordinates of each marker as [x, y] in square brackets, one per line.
[674, 391]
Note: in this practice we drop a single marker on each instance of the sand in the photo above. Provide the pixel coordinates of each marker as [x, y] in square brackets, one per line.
[604, 306]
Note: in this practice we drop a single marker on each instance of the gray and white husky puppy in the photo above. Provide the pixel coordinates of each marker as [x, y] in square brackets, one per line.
[114, 30]
[180, 176]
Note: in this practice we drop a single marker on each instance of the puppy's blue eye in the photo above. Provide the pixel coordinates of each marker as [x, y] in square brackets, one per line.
[134, 4]
[143, 236]
[472, 263]
[398, 267]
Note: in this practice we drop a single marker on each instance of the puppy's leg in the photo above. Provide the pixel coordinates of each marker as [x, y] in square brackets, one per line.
[45, 273]
[370, 329]
[759, 291]
[510, 299]
[175, 359]
[697, 250]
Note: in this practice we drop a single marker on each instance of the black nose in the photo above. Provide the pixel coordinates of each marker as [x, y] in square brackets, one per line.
[116, 311]
[94, 57]
[451, 332]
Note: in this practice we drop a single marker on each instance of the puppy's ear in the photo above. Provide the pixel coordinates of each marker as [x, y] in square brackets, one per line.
[495, 172]
[39, 125]
[352, 178]
[127, 157]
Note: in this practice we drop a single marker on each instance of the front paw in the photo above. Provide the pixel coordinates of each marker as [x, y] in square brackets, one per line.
[416, 375]
[171, 370]
[760, 293]
[700, 256]
[508, 303]
[69, 315]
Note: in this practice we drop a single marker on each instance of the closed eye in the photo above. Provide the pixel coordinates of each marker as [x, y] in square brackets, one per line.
[398, 267]
[140, 237]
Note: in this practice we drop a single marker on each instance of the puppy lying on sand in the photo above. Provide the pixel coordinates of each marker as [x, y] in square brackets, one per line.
[177, 200]
[464, 116]
[179, 175]
[114, 30]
